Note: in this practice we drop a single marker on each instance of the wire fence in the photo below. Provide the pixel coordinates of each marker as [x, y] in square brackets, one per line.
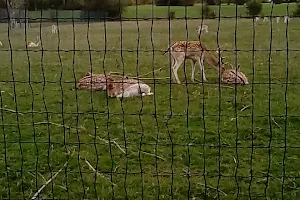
[65, 135]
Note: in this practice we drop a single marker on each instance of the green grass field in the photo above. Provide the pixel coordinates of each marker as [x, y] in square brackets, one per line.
[190, 140]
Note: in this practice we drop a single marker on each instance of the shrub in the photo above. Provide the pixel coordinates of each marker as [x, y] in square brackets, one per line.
[296, 12]
[254, 7]
[277, 1]
[112, 7]
[175, 2]
[210, 2]
[171, 15]
[139, 2]
[207, 12]
[240, 2]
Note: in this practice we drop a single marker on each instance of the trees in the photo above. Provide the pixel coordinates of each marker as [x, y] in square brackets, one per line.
[113, 8]
[175, 2]
[254, 7]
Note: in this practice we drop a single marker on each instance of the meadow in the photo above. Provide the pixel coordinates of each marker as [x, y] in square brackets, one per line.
[194, 140]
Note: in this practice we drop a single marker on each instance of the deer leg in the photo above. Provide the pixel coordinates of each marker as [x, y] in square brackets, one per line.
[201, 65]
[193, 62]
[175, 67]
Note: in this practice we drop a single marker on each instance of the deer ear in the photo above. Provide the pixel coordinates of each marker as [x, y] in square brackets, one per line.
[238, 67]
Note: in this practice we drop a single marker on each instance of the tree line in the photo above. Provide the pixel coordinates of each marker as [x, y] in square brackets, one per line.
[112, 7]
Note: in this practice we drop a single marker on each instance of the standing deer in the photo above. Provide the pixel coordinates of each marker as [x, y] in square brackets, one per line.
[54, 28]
[194, 51]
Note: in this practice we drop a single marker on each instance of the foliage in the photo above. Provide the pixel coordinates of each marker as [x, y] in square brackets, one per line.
[171, 15]
[174, 2]
[113, 8]
[296, 12]
[15, 4]
[277, 1]
[208, 12]
[240, 2]
[139, 2]
[210, 2]
[254, 7]
[2, 4]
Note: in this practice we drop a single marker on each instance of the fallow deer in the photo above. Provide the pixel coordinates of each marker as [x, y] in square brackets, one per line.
[127, 88]
[33, 44]
[194, 51]
[233, 76]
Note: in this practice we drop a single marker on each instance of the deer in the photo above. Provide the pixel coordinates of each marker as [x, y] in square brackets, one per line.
[127, 88]
[286, 19]
[201, 28]
[233, 76]
[33, 44]
[54, 28]
[197, 52]
[93, 81]
[266, 19]
[194, 51]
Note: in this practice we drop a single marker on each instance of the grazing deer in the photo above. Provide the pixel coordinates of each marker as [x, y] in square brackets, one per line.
[256, 19]
[193, 50]
[201, 28]
[127, 88]
[33, 44]
[54, 28]
[266, 19]
[286, 19]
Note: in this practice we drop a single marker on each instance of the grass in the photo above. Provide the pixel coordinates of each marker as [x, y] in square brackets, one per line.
[176, 134]
[146, 11]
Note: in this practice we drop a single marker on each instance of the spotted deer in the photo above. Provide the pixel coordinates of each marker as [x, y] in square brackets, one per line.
[233, 76]
[194, 51]
[127, 88]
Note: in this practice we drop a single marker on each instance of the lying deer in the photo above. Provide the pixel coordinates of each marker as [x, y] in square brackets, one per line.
[33, 44]
[93, 81]
[233, 76]
[127, 88]
[194, 51]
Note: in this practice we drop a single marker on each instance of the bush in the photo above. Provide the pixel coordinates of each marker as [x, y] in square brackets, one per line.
[207, 12]
[277, 1]
[240, 2]
[296, 12]
[171, 15]
[112, 7]
[175, 2]
[210, 2]
[139, 2]
[254, 7]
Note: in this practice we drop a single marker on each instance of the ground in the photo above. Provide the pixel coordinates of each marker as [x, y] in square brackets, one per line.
[191, 140]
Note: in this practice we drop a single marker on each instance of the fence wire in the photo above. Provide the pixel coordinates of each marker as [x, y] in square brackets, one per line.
[196, 140]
